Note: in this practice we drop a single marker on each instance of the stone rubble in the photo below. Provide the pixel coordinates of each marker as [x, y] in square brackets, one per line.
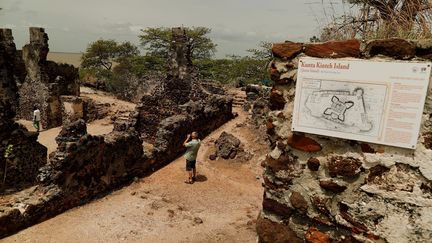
[227, 146]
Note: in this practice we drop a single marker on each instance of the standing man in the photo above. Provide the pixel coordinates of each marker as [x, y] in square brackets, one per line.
[36, 118]
[192, 148]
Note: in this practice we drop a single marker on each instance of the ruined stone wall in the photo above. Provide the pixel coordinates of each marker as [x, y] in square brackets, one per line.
[82, 166]
[18, 167]
[173, 91]
[179, 87]
[8, 87]
[93, 110]
[323, 189]
[45, 81]
[20, 154]
[150, 111]
[200, 116]
[65, 75]
[180, 73]
[72, 109]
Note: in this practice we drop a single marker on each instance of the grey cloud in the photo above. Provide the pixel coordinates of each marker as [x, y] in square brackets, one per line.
[230, 36]
[236, 25]
[15, 6]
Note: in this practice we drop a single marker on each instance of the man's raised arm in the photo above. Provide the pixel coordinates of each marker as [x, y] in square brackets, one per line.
[187, 139]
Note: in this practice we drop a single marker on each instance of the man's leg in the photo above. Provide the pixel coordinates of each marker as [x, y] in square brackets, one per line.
[189, 171]
[36, 125]
[194, 170]
[190, 176]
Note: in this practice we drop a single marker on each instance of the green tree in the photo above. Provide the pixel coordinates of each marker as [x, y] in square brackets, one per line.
[103, 53]
[157, 42]
[139, 65]
[238, 69]
[98, 61]
[263, 52]
[314, 39]
[233, 69]
[260, 61]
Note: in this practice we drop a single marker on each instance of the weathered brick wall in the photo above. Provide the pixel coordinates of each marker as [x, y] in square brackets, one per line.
[323, 189]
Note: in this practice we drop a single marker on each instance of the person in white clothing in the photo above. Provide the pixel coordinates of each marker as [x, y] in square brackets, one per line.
[36, 118]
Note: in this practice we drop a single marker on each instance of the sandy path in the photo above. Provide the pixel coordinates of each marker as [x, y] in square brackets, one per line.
[98, 127]
[220, 207]
[47, 137]
[104, 97]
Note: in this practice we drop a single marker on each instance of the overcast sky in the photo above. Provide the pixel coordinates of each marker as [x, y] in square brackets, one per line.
[237, 25]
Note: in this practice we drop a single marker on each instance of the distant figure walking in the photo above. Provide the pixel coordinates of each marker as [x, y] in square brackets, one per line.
[36, 118]
[192, 148]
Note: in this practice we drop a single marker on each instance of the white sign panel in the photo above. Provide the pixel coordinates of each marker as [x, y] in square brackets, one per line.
[372, 101]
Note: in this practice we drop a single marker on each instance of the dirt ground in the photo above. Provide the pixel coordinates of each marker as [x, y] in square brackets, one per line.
[220, 207]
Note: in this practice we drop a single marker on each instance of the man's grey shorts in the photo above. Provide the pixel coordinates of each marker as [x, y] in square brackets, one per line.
[190, 165]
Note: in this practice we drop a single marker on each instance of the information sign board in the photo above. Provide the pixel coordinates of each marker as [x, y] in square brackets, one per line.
[372, 101]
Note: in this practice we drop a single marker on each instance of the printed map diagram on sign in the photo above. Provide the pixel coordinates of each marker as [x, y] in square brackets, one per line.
[342, 106]
[371, 101]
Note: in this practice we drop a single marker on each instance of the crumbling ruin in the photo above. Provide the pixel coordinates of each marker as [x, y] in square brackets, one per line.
[257, 102]
[20, 154]
[324, 189]
[84, 165]
[45, 81]
[52, 87]
[8, 54]
[182, 95]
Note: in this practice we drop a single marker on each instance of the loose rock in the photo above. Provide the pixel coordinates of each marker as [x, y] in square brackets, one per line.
[227, 146]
